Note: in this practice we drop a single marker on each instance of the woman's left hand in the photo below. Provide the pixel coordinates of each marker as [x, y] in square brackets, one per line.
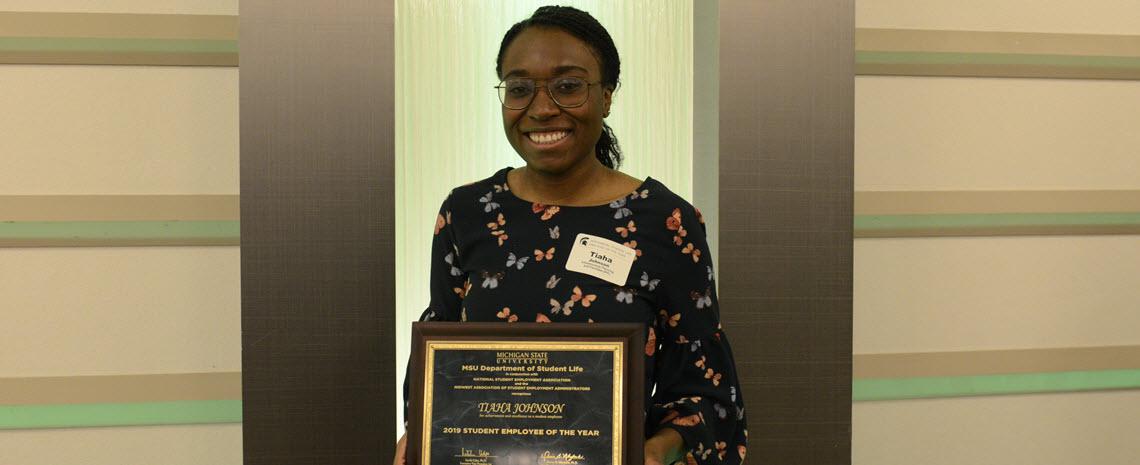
[664, 448]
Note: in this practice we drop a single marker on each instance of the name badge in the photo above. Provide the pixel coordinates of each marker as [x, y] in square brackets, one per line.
[601, 258]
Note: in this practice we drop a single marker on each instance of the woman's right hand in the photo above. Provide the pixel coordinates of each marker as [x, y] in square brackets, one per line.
[401, 450]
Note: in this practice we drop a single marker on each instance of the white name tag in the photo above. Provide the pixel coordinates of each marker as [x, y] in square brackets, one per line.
[601, 258]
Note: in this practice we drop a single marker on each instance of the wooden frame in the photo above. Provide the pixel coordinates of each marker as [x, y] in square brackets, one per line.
[627, 340]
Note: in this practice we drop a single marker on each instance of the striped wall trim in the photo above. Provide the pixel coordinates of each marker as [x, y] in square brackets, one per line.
[118, 39]
[118, 220]
[118, 58]
[995, 362]
[989, 385]
[118, 233]
[996, 54]
[120, 414]
[70, 44]
[1026, 43]
[118, 389]
[119, 208]
[996, 224]
[118, 25]
[994, 65]
[120, 400]
[987, 202]
[996, 213]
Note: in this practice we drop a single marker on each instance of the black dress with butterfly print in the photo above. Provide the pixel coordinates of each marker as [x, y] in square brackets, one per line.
[496, 257]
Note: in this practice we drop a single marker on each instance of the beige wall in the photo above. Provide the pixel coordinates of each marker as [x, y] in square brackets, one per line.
[944, 133]
[1088, 428]
[955, 294]
[1087, 17]
[119, 310]
[183, 7]
[992, 293]
[119, 130]
[147, 445]
[71, 311]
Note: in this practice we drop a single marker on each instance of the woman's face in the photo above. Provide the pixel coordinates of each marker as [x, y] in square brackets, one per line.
[549, 138]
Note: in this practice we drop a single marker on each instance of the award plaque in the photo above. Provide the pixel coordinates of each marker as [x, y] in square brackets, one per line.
[526, 394]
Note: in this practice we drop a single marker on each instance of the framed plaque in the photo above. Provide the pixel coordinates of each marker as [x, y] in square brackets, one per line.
[526, 394]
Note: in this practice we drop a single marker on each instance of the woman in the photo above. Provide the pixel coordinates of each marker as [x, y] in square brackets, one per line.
[501, 244]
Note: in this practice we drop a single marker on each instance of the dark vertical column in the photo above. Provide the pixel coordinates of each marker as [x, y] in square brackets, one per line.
[317, 250]
[786, 180]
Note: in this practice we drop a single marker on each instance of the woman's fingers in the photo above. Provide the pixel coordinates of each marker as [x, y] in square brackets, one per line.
[401, 450]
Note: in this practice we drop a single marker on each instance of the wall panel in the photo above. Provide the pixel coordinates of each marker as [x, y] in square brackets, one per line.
[928, 295]
[786, 95]
[1021, 158]
[191, 7]
[169, 445]
[996, 134]
[119, 130]
[118, 336]
[1043, 429]
[86, 311]
[1093, 16]
[317, 189]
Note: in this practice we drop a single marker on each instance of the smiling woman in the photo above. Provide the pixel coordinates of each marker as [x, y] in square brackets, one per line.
[559, 70]
[449, 128]
[559, 133]
[573, 70]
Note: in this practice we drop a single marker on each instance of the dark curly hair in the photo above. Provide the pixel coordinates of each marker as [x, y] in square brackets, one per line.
[579, 24]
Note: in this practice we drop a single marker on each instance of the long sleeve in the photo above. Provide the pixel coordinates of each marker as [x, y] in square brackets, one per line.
[448, 282]
[697, 389]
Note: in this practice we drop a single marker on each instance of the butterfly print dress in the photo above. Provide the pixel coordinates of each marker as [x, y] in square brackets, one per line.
[496, 257]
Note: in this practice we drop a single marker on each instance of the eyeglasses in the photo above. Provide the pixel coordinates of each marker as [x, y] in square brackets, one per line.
[566, 92]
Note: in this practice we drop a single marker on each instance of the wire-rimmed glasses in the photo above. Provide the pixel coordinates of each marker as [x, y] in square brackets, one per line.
[566, 92]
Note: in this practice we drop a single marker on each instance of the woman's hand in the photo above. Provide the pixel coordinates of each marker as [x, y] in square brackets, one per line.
[664, 448]
[401, 450]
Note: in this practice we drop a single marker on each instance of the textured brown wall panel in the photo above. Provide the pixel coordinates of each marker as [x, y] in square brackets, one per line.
[786, 181]
[317, 237]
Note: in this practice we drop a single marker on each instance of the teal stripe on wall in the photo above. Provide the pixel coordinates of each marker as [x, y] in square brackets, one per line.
[69, 44]
[959, 58]
[988, 385]
[125, 414]
[119, 230]
[230, 411]
[872, 222]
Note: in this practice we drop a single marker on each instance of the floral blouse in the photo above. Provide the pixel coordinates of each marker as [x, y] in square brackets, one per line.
[496, 257]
